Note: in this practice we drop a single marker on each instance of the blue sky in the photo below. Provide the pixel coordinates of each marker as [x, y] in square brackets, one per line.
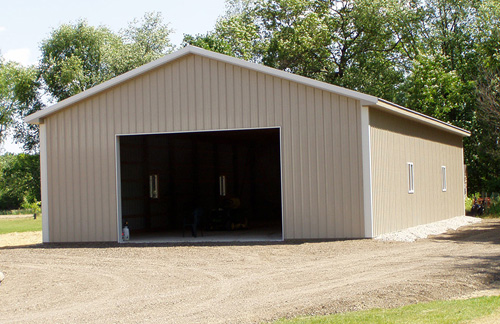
[25, 23]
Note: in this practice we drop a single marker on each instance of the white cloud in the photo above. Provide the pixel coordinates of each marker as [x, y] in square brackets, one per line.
[19, 55]
[2, 28]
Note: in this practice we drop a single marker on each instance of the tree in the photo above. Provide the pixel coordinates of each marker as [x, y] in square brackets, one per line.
[362, 45]
[19, 180]
[78, 57]
[73, 58]
[236, 33]
[7, 85]
[19, 96]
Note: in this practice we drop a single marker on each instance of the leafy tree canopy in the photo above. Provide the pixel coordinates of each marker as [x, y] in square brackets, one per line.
[78, 56]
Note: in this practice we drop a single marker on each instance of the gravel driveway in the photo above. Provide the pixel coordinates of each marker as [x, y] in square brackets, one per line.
[106, 283]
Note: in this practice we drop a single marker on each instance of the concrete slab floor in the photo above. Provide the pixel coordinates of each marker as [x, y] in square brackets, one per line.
[260, 235]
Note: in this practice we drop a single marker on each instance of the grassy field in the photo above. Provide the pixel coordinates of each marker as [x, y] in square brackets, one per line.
[442, 312]
[25, 224]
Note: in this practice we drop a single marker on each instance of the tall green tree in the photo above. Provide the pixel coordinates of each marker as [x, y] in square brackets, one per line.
[143, 41]
[19, 96]
[236, 33]
[7, 96]
[78, 56]
[74, 58]
[362, 45]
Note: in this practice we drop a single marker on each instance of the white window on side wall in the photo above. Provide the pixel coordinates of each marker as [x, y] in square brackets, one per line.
[443, 178]
[411, 178]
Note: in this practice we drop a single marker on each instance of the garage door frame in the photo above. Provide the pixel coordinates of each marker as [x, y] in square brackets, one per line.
[118, 169]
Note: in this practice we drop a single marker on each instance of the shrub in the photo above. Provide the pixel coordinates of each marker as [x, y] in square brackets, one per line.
[19, 180]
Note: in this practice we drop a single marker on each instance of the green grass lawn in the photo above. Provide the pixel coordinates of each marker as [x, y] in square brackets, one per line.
[442, 312]
[25, 224]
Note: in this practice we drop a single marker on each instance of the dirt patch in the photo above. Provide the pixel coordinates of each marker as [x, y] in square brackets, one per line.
[20, 239]
[246, 283]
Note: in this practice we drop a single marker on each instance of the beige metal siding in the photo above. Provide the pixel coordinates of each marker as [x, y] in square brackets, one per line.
[394, 143]
[320, 139]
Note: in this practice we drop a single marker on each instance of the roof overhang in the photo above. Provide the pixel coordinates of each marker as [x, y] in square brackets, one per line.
[37, 118]
[401, 111]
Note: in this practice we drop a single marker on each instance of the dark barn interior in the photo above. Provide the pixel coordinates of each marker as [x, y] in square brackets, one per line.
[201, 183]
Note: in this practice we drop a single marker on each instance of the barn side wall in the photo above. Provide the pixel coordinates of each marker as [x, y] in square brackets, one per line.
[394, 143]
[320, 140]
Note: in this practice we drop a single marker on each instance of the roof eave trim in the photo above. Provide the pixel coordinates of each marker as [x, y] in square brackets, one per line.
[431, 121]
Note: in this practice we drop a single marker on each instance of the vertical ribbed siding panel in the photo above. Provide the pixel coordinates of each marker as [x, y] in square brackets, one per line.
[222, 107]
[52, 177]
[261, 100]
[329, 176]
[169, 98]
[207, 94]
[200, 91]
[288, 184]
[132, 108]
[230, 109]
[214, 82]
[312, 160]
[238, 95]
[346, 219]
[358, 230]
[76, 207]
[94, 189]
[254, 105]
[183, 100]
[269, 96]
[278, 101]
[83, 168]
[320, 162]
[154, 93]
[89, 219]
[245, 98]
[99, 141]
[305, 194]
[62, 171]
[162, 100]
[61, 203]
[296, 203]
[146, 102]
[190, 91]
[176, 98]
[109, 174]
[354, 167]
[139, 105]
[338, 204]
[395, 142]
[104, 174]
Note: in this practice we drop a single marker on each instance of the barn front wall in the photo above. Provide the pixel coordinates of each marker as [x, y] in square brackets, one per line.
[398, 142]
[321, 158]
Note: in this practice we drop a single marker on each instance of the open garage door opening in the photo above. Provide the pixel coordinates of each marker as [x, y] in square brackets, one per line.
[201, 186]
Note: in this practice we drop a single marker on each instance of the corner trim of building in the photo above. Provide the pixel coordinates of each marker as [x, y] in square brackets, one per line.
[44, 183]
[367, 171]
